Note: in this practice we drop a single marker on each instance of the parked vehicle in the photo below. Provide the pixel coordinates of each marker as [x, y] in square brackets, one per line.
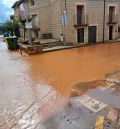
[6, 34]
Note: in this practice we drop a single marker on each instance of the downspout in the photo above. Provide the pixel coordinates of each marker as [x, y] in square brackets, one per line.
[63, 11]
[65, 5]
[62, 28]
[104, 22]
[64, 24]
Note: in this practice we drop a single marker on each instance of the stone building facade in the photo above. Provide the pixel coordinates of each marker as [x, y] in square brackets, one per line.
[16, 10]
[80, 21]
[93, 20]
[48, 13]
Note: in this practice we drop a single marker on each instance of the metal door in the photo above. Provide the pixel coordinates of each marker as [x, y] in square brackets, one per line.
[92, 30]
[80, 35]
[110, 32]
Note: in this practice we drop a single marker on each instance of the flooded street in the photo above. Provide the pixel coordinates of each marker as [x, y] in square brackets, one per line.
[63, 69]
[36, 88]
[21, 98]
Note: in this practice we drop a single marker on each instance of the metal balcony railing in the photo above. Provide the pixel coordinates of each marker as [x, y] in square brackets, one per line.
[82, 21]
[112, 19]
[35, 25]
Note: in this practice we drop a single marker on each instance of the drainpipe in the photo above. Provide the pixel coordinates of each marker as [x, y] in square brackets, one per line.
[62, 28]
[65, 5]
[104, 22]
[63, 16]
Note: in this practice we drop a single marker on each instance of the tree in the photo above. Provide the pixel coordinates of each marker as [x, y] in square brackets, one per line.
[9, 26]
[3, 29]
[16, 27]
[13, 26]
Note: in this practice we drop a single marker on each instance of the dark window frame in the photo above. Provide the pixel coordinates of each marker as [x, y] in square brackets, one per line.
[119, 29]
[32, 2]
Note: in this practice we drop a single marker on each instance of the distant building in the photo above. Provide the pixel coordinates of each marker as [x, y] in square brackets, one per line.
[19, 14]
[16, 8]
[81, 21]
[12, 17]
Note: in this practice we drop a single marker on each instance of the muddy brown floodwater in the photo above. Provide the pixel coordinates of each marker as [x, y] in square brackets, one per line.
[63, 69]
[33, 87]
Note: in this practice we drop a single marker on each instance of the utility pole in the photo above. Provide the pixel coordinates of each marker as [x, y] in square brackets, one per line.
[26, 7]
[104, 21]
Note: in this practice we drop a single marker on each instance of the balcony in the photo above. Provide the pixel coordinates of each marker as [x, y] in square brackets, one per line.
[34, 27]
[112, 19]
[81, 22]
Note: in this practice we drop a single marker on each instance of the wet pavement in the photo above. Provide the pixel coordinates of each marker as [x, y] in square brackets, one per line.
[35, 90]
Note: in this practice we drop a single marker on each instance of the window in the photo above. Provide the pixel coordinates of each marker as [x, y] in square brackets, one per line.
[111, 14]
[80, 14]
[119, 29]
[35, 25]
[32, 2]
[35, 21]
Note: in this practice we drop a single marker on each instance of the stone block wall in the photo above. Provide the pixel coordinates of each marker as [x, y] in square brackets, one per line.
[49, 14]
[41, 8]
[55, 18]
[94, 11]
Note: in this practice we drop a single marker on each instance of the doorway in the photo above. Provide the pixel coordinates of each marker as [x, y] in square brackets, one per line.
[92, 34]
[110, 32]
[80, 35]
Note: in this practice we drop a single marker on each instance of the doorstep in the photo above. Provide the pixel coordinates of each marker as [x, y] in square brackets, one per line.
[31, 49]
